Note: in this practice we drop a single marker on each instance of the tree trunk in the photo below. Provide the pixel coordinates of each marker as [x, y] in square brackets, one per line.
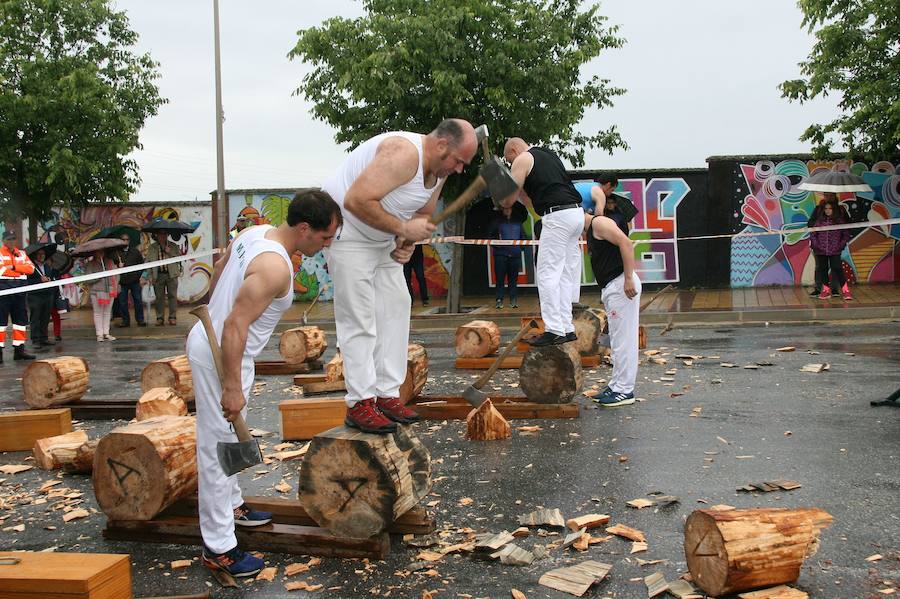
[160, 401]
[55, 381]
[356, 484]
[485, 423]
[477, 339]
[551, 374]
[174, 372]
[736, 550]
[144, 467]
[416, 373]
[82, 462]
[334, 369]
[302, 344]
[588, 325]
[50, 452]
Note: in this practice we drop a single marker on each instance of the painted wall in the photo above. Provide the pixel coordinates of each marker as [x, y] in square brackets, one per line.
[763, 195]
[83, 223]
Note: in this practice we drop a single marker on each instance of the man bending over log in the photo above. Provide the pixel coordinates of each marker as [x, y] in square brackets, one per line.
[252, 287]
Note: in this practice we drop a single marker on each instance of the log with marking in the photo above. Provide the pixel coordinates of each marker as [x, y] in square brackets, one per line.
[302, 344]
[55, 381]
[174, 372]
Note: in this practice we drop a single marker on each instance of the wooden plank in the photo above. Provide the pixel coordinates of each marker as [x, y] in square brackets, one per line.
[303, 379]
[303, 419]
[513, 362]
[19, 430]
[324, 387]
[431, 407]
[278, 538]
[72, 575]
[108, 408]
[264, 367]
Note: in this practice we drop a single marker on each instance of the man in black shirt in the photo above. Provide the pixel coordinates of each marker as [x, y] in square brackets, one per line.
[543, 179]
[130, 284]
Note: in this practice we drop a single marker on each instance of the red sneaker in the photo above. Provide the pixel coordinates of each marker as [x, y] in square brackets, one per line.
[366, 417]
[396, 411]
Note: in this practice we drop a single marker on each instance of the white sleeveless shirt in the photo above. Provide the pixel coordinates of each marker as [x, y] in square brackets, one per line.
[402, 202]
[244, 249]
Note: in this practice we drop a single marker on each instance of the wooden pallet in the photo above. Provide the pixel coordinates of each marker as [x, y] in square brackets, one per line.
[264, 367]
[512, 362]
[454, 407]
[109, 408]
[321, 386]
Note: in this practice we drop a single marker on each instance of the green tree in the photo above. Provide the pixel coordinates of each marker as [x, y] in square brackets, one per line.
[856, 55]
[512, 64]
[73, 97]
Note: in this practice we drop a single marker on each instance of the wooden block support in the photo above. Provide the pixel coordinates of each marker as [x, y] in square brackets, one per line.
[485, 423]
[59, 575]
[416, 372]
[47, 451]
[19, 430]
[334, 369]
[174, 372]
[477, 339]
[551, 374]
[303, 419]
[323, 387]
[160, 401]
[741, 549]
[302, 344]
[55, 381]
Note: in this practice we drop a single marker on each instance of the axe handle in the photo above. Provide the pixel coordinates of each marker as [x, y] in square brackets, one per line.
[481, 382]
[310, 307]
[655, 295]
[202, 312]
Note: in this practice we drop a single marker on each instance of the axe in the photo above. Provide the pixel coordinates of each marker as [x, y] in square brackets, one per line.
[233, 457]
[310, 307]
[473, 394]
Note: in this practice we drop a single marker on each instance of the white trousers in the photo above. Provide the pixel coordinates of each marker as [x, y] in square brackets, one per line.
[371, 316]
[102, 316]
[622, 314]
[578, 259]
[218, 494]
[558, 265]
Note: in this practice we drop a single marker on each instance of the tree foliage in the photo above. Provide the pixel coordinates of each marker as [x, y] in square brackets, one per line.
[511, 64]
[73, 97]
[857, 55]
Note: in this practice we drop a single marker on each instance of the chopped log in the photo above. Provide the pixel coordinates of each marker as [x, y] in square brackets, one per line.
[302, 344]
[588, 325]
[174, 372]
[46, 451]
[477, 339]
[551, 374]
[19, 430]
[587, 521]
[144, 467]
[418, 458]
[485, 423]
[334, 369]
[55, 381]
[642, 337]
[416, 372]
[737, 550]
[160, 401]
[82, 461]
[356, 484]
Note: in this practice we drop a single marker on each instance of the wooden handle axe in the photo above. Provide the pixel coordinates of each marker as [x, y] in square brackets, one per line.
[473, 394]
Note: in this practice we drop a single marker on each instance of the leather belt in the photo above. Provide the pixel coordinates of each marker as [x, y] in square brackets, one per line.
[561, 207]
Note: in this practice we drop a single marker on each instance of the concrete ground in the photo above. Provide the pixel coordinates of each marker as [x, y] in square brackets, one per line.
[728, 427]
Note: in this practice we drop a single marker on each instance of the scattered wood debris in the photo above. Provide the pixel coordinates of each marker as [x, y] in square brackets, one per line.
[548, 517]
[786, 348]
[180, 564]
[522, 531]
[638, 547]
[283, 486]
[75, 514]
[656, 584]
[682, 589]
[577, 579]
[587, 521]
[816, 368]
[632, 534]
[513, 555]
[769, 486]
[695, 413]
[639, 504]
[267, 574]
[517, 594]
[779, 592]
[463, 502]
[572, 537]
[292, 569]
[727, 365]
[583, 542]
[875, 558]
[492, 542]
[301, 586]
[529, 430]
[14, 468]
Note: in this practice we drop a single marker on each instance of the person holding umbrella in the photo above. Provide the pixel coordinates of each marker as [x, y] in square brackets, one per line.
[15, 266]
[103, 291]
[130, 284]
[41, 302]
[165, 278]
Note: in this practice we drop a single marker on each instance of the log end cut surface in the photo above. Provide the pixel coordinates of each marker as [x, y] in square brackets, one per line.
[551, 374]
[55, 381]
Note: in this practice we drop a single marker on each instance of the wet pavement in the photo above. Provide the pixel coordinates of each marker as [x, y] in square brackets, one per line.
[753, 425]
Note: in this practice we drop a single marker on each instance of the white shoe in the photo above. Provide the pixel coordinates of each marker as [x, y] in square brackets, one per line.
[109, 337]
[100, 339]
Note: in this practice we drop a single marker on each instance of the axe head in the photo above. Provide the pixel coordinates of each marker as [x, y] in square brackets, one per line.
[234, 457]
[474, 396]
[498, 177]
[481, 133]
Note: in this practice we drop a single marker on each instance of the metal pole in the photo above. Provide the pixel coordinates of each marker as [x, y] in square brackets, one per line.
[221, 217]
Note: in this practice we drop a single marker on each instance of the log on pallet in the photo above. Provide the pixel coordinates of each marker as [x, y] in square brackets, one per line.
[48, 452]
[416, 372]
[356, 484]
[454, 407]
[512, 362]
[82, 460]
[588, 325]
[334, 369]
[174, 372]
[485, 423]
[160, 401]
[19, 430]
[58, 575]
[272, 367]
[55, 381]
[302, 344]
[741, 549]
[551, 374]
[477, 339]
[144, 467]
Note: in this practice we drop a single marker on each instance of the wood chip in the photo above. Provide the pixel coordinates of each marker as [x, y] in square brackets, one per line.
[786, 348]
[513, 555]
[638, 547]
[301, 586]
[632, 534]
[14, 468]
[429, 556]
[267, 574]
[466, 501]
[682, 589]
[656, 584]
[180, 564]
[815, 368]
[75, 514]
[543, 517]
[291, 455]
[522, 531]
[779, 592]
[639, 504]
[875, 558]
[695, 413]
[572, 537]
[587, 521]
[517, 594]
[493, 542]
[16, 528]
[577, 579]
[529, 430]
[727, 365]
[292, 569]
[283, 487]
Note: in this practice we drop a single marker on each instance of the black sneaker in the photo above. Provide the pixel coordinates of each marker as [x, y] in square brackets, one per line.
[239, 564]
[815, 293]
[499, 305]
[244, 516]
[569, 337]
[546, 338]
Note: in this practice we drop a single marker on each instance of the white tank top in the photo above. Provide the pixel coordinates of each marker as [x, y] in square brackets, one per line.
[402, 202]
[244, 249]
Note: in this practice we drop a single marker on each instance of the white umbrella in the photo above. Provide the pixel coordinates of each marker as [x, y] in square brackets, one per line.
[834, 182]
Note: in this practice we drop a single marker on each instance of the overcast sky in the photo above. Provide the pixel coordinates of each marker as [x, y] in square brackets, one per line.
[701, 77]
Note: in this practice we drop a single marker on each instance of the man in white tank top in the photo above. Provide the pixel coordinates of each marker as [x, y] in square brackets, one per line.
[387, 187]
[252, 287]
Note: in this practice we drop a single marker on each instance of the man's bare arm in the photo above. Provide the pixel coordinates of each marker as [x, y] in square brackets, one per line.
[599, 199]
[521, 168]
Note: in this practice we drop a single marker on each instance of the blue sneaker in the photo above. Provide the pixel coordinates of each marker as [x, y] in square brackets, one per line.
[244, 516]
[613, 399]
[237, 563]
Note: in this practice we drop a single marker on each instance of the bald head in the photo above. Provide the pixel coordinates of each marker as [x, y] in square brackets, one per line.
[450, 147]
[514, 146]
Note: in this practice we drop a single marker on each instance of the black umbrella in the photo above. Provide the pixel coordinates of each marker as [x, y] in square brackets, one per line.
[625, 206]
[103, 243]
[834, 182]
[116, 232]
[164, 225]
[48, 247]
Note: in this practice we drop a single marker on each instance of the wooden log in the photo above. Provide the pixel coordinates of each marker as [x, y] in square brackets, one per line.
[82, 461]
[334, 369]
[356, 484]
[323, 387]
[174, 372]
[19, 430]
[418, 458]
[737, 550]
[160, 401]
[46, 451]
[588, 325]
[55, 381]
[551, 374]
[302, 344]
[416, 372]
[485, 423]
[477, 339]
[144, 467]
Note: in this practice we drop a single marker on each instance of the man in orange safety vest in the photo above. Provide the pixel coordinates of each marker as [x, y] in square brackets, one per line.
[15, 266]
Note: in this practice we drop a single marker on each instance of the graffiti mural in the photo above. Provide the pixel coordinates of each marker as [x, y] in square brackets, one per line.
[82, 224]
[771, 201]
